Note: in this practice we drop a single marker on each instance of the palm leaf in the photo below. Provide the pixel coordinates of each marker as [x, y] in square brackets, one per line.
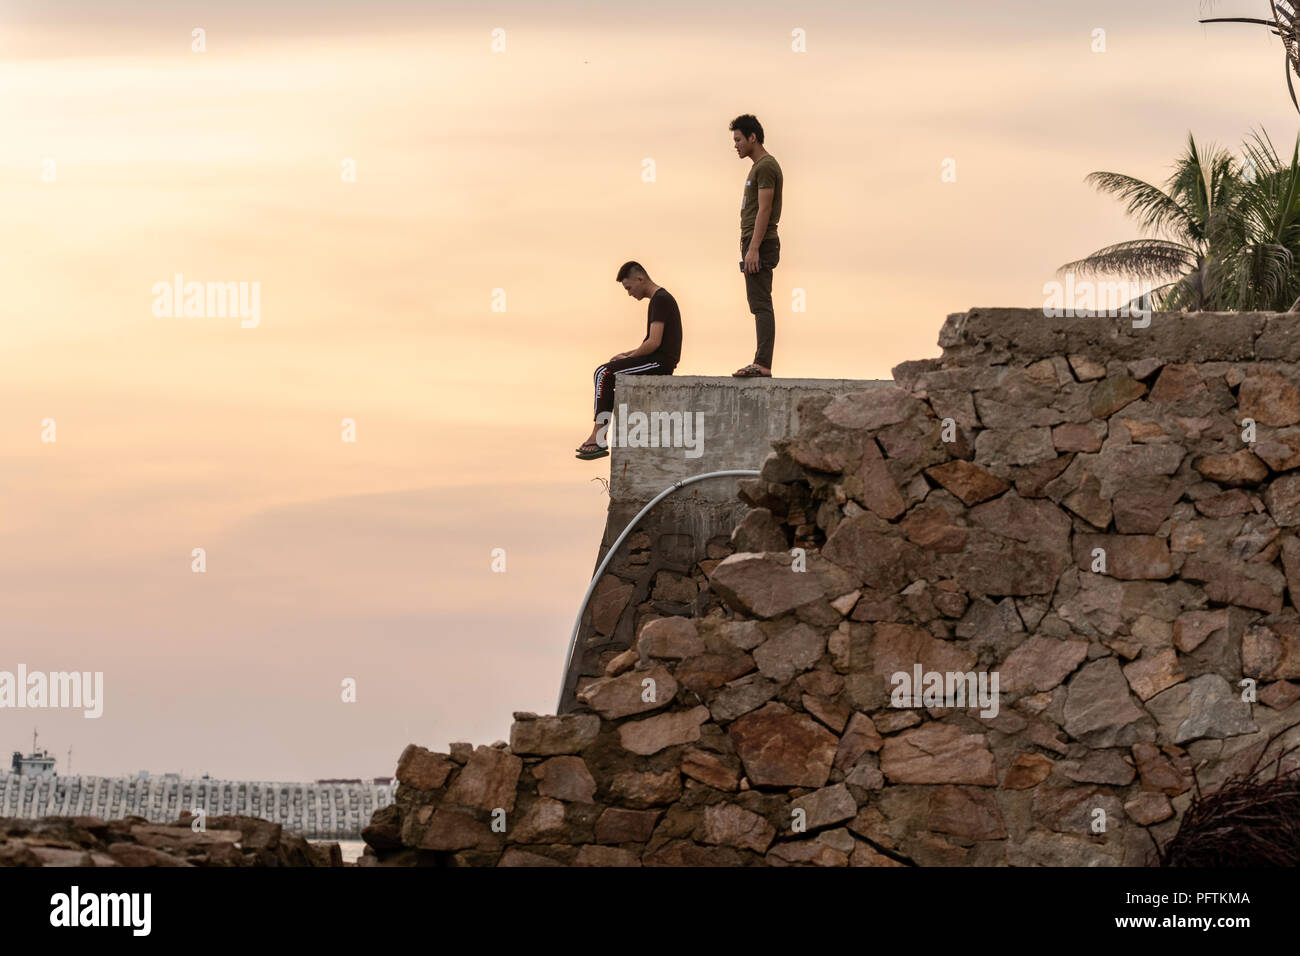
[1148, 204]
[1140, 258]
[1260, 233]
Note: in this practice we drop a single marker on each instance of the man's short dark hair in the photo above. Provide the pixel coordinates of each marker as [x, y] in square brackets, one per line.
[748, 125]
[631, 270]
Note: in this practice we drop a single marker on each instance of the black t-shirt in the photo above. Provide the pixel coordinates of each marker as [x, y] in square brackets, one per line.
[663, 308]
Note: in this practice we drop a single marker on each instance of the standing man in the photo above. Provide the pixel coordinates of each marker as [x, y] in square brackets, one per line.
[658, 353]
[760, 249]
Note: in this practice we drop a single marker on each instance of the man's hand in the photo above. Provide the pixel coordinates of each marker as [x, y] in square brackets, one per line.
[752, 263]
[620, 355]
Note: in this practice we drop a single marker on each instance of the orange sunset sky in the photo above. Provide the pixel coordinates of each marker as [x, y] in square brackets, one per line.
[476, 170]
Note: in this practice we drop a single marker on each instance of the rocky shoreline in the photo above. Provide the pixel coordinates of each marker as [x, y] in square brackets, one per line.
[226, 841]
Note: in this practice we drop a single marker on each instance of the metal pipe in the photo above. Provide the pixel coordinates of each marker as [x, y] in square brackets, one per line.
[609, 556]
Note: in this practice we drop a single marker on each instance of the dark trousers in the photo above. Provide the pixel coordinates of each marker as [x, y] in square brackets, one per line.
[652, 364]
[758, 290]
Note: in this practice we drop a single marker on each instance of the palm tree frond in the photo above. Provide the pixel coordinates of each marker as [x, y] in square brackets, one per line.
[1139, 258]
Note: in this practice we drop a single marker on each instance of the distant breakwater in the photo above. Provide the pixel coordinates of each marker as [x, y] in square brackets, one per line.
[317, 811]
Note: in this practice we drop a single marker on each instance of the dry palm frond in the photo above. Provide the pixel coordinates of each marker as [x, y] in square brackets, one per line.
[1252, 820]
[1284, 24]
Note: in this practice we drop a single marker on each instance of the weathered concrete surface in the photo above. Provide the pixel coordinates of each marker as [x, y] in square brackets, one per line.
[739, 419]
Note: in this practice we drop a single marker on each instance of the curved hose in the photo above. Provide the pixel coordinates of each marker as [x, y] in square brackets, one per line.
[609, 556]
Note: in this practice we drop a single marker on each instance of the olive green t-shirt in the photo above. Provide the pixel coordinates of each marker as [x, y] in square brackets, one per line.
[764, 174]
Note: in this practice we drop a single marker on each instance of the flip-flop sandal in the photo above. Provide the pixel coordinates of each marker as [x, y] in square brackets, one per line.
[594, 452]
[751, 371]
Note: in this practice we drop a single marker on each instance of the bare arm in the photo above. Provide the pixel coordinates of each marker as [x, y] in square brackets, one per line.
[764, 213]
[651, 343]
[752, 263]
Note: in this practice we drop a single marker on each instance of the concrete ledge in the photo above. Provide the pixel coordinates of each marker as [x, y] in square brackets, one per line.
[732, 423]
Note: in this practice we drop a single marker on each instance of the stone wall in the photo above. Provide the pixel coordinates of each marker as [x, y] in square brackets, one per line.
[1104, 517]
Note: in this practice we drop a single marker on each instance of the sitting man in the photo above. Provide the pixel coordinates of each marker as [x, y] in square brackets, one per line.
[657, 355]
